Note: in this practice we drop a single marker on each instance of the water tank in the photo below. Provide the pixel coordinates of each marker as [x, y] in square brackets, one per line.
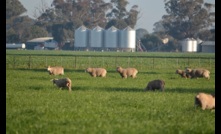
[194, 45]
[127, 38]
[96, 37]
[15, 46]
[81, 37]
[111, 37]
[187, 45]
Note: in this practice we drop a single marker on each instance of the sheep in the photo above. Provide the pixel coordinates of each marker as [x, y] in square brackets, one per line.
[55, 70]
[195, 73]
[205, 101]
[155, 84]
[62, 83]
[96, 72]
[127, 72]
[182, 73]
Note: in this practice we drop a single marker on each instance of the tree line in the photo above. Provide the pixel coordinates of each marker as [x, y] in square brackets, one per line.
[184, 19]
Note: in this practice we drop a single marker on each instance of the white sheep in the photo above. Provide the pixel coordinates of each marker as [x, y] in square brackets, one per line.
[127, 72]
[155, 84]
[195, 73]
[96, 72]
[56, 70]
[205, 101]
[62, 83]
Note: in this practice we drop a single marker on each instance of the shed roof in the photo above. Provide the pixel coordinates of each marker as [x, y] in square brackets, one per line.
[208, 43]
[42, 39]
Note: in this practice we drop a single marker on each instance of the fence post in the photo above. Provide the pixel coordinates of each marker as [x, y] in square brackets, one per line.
[61, 61]
[177, 62]
[153, 63]
[29, 62]
[75, 61]
[116, 61]
[46, 62]
[14, 62]
[188, 61]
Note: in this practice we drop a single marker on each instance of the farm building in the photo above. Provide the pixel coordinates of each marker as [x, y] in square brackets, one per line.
[208, 46]
[42, 43]
[110, 39]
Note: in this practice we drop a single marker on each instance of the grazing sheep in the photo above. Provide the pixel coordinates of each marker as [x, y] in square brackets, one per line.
[155, 84]
[195, 73]
[127, 72]
[62, 83]
[96, 72]
[182, 73]
[55, 70]
[205, 101]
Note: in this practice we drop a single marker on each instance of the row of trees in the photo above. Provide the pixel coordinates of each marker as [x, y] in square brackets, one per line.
[185, 18]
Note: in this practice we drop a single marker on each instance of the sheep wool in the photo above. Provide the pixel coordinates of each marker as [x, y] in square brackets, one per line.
[155, 84]
[96, 72]
[55, 70]
[182, 73]
[205, 101]
[196, 73]
[127, 72]
[62, 83]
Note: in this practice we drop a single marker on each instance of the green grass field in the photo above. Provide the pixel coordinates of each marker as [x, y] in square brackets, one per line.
[110, 105]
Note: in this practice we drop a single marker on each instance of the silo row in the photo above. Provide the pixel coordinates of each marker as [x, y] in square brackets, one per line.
[190, 45]
[110, 39]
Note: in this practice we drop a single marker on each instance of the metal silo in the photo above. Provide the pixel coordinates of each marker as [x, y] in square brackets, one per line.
[194, 45]
[96, 36]
[187, 45]
[81, 37]
[111, 37]
[127, 39]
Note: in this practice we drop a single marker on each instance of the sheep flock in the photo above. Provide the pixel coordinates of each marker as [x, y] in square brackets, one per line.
[204, 100]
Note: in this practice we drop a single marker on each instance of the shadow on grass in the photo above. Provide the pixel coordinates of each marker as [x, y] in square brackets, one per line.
[121, 89]
[193, 90]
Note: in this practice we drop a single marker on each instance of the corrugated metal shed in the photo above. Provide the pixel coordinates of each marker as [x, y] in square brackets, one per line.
[208, 46]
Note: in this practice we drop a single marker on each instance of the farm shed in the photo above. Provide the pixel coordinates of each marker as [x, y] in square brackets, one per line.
[208, 47]
[42, 43]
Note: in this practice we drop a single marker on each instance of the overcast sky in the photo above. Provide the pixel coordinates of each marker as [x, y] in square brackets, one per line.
[151, 11]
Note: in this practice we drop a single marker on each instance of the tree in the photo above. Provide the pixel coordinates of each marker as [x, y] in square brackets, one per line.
[20, 28]
[186, 18]
[141, 32]
[119, 13]
[14, 8]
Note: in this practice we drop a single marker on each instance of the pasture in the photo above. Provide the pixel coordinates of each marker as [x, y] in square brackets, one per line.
[110, 105]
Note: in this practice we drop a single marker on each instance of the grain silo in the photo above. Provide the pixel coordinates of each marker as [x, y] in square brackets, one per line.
[187, 45]
[96, 38]
[111, 38]
[194, 45]
[81, 37]
[127, 41]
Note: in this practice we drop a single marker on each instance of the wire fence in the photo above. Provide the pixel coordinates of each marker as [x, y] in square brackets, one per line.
[109, 62]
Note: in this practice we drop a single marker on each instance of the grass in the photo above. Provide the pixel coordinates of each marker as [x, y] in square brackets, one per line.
[108, 105]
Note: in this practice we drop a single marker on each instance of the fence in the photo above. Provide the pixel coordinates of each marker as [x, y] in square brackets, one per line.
[109, 62]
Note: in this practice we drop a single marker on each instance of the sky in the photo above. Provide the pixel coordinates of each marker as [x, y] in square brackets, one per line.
[151, 11]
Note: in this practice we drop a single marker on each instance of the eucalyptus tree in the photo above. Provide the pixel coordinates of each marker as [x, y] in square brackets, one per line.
[186, 18]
